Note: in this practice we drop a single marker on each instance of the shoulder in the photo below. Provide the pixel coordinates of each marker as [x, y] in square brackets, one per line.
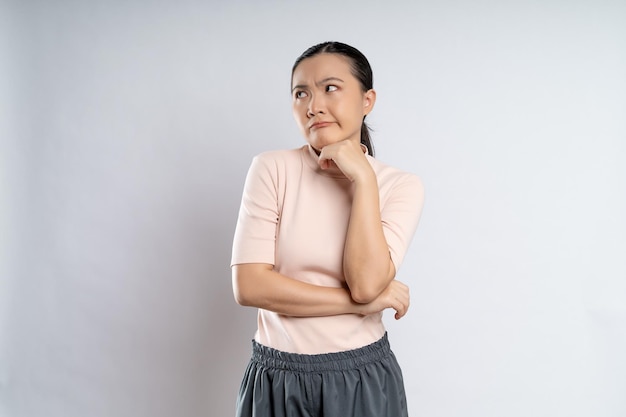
[276, 161]
[278, 158]
[392, 177]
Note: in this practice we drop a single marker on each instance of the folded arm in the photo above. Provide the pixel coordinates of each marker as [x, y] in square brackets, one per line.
[258, 285]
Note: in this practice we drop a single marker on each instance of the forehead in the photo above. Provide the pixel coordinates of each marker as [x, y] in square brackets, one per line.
[322, 66]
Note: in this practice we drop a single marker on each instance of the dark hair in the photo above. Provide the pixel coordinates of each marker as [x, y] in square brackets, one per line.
[360, 69]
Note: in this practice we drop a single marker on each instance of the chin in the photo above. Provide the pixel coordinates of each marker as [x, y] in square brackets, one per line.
[319, 143]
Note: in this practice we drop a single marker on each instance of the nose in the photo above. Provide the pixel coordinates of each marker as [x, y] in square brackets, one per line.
[316, 105]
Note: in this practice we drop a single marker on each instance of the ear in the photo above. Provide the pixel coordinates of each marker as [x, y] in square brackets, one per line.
[369, 99]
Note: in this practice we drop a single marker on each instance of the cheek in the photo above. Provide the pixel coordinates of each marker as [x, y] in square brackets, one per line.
[301, 120]
[352, 114]
[297, 114]
[350, 108]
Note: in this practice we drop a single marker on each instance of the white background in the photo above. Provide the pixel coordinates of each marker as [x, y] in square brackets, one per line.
[126, 131]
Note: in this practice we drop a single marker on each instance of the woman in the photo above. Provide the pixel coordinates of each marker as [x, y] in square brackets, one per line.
[321, 232]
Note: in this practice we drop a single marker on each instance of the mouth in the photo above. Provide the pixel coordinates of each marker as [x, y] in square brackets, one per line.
[320, 125]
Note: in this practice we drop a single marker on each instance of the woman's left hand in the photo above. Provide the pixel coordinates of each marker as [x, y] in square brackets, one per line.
[348, 156]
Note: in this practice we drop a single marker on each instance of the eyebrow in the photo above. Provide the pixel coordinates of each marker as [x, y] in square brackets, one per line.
[324, 81]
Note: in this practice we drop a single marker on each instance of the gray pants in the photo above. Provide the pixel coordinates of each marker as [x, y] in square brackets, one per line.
[365, 382]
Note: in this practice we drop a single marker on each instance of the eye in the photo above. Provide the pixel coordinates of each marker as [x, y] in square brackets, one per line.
[330, 88]
[299, 94]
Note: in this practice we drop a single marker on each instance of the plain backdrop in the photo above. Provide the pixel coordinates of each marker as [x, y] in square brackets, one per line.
[127, 128]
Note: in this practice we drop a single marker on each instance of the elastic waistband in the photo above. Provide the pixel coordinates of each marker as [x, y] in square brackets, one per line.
[337, 361]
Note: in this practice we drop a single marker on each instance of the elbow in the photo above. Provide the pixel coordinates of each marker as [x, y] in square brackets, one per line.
[247, 290]
[364, 295]
[367, 289]
[367, 286]
[242, 297]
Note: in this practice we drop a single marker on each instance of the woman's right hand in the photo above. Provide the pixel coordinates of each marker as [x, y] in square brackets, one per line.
[395, 296]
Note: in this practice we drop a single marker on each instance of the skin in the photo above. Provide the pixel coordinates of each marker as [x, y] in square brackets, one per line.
[329, 105]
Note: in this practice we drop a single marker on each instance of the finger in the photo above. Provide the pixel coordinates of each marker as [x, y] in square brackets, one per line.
[400, 310]
[401, 293]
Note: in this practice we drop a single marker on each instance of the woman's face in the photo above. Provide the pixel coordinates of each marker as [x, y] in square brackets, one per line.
[328, 101]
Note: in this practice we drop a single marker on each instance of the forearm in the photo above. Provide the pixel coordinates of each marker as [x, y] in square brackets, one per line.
[258, 285]
[366, 262]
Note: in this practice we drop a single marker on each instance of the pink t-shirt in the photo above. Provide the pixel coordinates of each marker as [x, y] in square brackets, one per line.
[294, 215]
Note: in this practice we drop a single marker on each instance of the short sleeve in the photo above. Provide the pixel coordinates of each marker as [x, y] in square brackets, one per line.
[255, 233]
[400, 215]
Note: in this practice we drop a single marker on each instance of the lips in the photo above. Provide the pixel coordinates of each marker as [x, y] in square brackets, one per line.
[320, 124]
